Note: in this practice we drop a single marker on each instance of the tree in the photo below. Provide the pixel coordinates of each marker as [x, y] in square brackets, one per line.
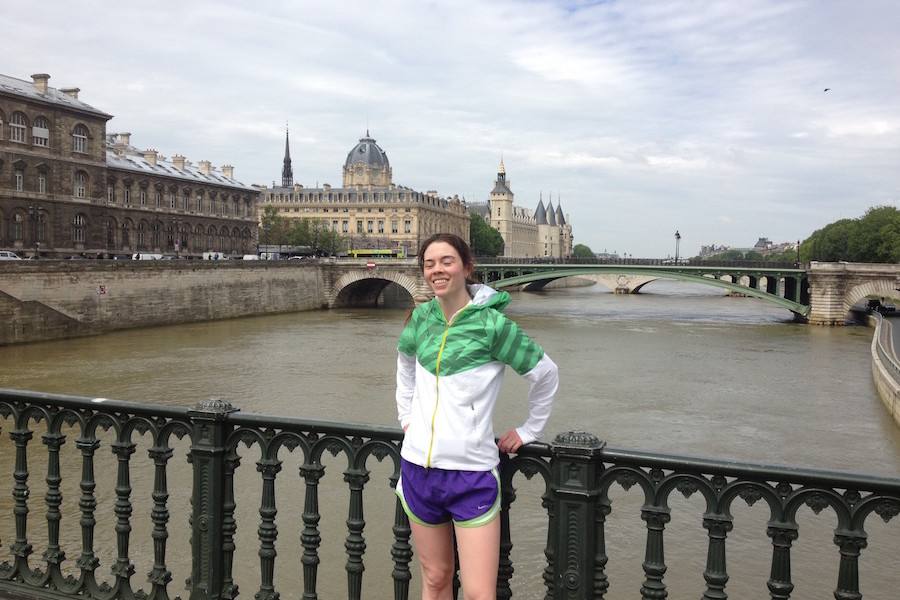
[273, 227]
[754, 256]
[485, 240]
[582, 251]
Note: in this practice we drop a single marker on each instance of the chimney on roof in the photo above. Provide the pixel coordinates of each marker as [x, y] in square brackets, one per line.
[125, 138]
[203, 166]
[40, 82]
[150, 156]
[71, 92]
[228, 172]
[178, 161]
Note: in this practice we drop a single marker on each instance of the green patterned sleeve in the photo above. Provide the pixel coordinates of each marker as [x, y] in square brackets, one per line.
[510, 345]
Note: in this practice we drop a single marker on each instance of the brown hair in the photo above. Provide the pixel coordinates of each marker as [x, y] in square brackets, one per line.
[458, 244]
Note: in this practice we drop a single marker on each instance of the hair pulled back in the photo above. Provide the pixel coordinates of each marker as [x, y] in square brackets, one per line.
[457, 243]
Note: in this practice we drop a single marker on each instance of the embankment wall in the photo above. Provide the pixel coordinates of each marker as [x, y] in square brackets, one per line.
[45, 301]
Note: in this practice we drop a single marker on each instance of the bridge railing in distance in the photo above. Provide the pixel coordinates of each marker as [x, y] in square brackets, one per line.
[130, 507]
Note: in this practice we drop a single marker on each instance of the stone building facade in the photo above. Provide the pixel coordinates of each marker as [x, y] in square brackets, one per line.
[544, 233]
[69, 188]
[369, 209]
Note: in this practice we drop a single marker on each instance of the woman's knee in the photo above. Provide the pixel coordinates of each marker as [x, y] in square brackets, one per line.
[437, 576]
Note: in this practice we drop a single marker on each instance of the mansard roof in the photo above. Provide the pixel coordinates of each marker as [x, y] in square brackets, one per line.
[130, 159]
[67, 98]
[482, 209]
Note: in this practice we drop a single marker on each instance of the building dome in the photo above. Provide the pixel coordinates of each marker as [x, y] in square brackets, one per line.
[368, 153]
[367, 165]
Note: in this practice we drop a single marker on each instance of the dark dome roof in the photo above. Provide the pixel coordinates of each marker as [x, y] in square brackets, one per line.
[369, 153]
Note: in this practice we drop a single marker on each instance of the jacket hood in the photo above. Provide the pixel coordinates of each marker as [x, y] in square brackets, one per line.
[488, 297]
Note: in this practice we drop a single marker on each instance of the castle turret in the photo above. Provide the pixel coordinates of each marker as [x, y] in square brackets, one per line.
[502, 209]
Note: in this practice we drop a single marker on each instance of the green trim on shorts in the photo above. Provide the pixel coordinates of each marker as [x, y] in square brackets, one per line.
[412, 516]
[489, 515]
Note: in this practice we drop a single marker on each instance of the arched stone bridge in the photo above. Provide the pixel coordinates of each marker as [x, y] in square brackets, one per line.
[821, 293]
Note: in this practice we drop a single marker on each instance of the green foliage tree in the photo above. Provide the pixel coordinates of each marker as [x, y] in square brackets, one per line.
[754, 255]
[730, 255]
[272, 227]
[582, 251]
[484, 239]
[874, 237]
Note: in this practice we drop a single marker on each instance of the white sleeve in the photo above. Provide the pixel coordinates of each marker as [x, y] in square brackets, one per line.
[406, 386]
[544, 378]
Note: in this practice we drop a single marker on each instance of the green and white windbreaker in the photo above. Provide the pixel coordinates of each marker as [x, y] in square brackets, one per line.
[449, 376]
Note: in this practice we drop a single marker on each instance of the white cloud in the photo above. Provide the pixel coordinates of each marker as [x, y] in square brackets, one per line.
[641, 117]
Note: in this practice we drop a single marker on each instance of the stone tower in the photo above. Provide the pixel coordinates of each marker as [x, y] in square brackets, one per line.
[502, 208]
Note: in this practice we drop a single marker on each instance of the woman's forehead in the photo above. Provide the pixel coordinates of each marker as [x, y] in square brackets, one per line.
[439, 250]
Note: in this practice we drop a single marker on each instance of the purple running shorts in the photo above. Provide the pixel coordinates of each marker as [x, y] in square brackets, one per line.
[435, 497]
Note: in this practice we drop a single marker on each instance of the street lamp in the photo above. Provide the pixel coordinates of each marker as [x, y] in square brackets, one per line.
[176, 225]
[35, 215]
[677, 243]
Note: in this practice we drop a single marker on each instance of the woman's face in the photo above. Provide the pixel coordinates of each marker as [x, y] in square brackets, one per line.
[444, 270]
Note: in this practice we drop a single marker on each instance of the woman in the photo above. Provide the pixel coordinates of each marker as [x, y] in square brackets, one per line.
[451, 359]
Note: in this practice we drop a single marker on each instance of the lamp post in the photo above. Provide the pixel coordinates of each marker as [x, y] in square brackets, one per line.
[35, 215]
[677, 243]
[176, 226]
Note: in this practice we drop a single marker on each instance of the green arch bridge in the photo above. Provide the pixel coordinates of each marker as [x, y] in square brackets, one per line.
[784, 285]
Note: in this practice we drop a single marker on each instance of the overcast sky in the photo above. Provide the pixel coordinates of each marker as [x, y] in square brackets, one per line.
[641, 117]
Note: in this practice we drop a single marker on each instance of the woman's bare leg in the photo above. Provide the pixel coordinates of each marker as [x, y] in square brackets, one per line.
[434, 548]
[479, 560]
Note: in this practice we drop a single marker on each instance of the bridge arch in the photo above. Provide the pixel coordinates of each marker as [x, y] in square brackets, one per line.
[878, 287]
[361, 288]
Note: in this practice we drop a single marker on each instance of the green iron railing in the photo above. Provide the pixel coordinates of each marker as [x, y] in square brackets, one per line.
[576, 472]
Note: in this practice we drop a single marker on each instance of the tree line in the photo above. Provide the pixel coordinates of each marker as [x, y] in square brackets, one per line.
[872, 238]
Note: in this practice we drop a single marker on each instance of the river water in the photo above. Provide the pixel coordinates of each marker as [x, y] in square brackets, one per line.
[679, 369]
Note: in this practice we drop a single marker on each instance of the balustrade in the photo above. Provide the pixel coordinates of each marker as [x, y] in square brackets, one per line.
[576, 472]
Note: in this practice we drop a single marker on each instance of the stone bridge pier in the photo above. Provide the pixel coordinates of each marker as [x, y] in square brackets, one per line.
[836, 287]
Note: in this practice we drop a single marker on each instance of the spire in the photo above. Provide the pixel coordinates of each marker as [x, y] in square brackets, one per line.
[287, 172]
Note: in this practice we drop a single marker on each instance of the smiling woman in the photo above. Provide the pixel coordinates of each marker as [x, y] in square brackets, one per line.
[452, 356]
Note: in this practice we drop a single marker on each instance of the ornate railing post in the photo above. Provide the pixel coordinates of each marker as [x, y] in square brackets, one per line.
[208, 460]
[578, 574]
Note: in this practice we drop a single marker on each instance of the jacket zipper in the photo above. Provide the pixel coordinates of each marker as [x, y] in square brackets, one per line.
[437, 381]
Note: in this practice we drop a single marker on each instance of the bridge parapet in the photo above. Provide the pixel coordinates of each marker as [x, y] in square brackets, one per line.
[232, 508]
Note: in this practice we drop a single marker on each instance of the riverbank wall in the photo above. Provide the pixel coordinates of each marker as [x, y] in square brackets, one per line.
[885, 367]
[46, 301]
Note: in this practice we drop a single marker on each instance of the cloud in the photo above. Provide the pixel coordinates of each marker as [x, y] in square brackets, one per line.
[640, 117]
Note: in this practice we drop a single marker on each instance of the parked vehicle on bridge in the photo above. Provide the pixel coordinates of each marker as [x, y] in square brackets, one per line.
[146, 256]
[6, 255]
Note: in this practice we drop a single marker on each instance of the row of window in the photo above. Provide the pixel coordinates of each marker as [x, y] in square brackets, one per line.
[17, 131]
[315, 209]
[355, 197]
[177, 235]
[186, 204]
[79, 190]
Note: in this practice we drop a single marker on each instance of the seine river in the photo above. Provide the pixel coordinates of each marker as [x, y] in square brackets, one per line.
[678, 369]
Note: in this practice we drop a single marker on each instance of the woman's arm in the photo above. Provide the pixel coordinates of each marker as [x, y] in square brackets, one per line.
[406, 386]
